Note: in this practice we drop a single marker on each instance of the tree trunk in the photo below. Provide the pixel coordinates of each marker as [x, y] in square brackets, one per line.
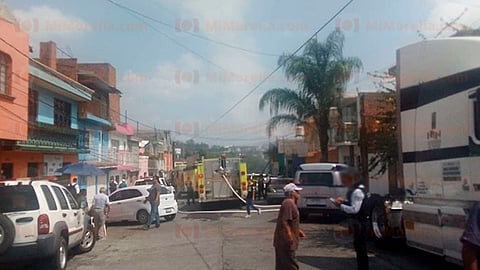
[323, 137]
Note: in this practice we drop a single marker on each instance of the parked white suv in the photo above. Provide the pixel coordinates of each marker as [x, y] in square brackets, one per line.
[41, 219]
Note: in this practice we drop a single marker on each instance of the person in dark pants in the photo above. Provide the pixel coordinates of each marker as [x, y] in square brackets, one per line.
[154, 200]
[355, 196]
[249, 200]
[471, 239]
[190, 193]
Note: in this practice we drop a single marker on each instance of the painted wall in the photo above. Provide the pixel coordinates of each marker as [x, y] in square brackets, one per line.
[14, 114]
[46, 101]
[20, 161]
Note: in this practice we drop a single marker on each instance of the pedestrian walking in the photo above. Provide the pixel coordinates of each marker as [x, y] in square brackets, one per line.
[287, 231]
[154, 200]
[358, 222]
[101, 207]
[249, 199]
[190, 194]
[471, 239]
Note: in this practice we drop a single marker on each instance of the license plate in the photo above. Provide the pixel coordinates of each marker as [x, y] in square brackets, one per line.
[169, 210]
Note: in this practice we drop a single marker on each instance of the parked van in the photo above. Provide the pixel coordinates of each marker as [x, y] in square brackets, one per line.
[320, 182]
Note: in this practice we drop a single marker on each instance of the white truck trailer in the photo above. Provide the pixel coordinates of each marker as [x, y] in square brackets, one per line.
[438, 88]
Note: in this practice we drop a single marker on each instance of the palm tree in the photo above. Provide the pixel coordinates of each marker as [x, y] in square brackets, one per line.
[321, 74]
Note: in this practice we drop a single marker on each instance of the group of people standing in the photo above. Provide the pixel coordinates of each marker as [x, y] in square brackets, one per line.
[114, 185]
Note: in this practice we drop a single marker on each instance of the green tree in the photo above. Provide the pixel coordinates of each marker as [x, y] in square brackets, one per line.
[321, 74]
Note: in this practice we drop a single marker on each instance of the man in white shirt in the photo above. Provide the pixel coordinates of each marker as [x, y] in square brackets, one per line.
[352, 207]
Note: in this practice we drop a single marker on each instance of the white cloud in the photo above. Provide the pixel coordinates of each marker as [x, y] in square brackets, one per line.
[45, 23]
[445, 11]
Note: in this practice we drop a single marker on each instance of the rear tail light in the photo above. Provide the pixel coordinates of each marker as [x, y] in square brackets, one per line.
[43, 224]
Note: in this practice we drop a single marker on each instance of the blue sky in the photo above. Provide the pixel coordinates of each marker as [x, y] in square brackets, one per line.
[173, 79]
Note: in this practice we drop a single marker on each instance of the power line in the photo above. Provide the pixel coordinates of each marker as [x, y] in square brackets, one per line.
[279, 66]
[133, 13]
[192, 34]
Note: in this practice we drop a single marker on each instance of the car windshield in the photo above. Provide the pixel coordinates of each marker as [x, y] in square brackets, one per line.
[17, 198]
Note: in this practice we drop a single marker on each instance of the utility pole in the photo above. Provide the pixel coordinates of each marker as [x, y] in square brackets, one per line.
[363, 142]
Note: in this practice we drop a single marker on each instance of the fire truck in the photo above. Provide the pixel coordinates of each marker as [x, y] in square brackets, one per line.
[210, 185]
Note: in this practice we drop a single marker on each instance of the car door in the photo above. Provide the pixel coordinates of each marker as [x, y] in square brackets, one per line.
[69, 216]
[125, 203]
[133, 201]
[116, 206]
[78, 213]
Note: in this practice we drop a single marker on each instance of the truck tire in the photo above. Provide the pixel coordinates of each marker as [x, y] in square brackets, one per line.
[88, 241]
[59, 260]
[7, 233]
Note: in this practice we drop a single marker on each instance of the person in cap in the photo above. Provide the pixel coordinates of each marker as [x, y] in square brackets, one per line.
[287, 231]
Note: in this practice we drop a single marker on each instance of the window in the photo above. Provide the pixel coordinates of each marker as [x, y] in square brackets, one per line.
[62, 113]
[49, 197]
[434, 120]
[476, 114]
[164, 190]
[32, 106]
[115, 144]
[84, 139]
[61, 198]
[125, 195]
[18, 198]
[71, 200]
[7, 171]
[5, 73]
[32, 169]
[316, 179]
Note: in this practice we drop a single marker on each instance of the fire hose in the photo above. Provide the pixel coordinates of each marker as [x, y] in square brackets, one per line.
[265, 208]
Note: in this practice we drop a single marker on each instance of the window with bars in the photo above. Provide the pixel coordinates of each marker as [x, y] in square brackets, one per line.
[62, 113]
[5, 73]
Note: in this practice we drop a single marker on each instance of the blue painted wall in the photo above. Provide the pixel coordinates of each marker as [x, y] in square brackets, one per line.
[46, 107]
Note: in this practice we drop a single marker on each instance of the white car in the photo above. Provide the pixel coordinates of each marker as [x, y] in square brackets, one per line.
[128, 204]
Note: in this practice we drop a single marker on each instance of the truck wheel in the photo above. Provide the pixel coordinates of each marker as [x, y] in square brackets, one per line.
[88, 241]
[142, 217]
[7, 233]
[59, 260]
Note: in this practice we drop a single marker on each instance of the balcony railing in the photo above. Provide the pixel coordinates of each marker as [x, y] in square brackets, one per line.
[44, 136]
[123, 157]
